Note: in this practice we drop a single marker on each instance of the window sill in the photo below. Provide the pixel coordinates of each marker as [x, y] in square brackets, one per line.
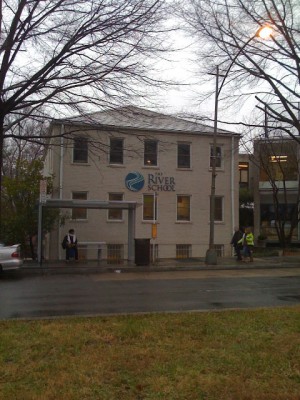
[116, 165]
[183, 222]
[78, 164]
[218, 169]
[184, 169]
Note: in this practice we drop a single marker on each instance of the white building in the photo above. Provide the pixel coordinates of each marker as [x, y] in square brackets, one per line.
[158, 162]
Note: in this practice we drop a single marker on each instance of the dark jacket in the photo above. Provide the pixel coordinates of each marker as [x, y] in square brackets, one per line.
[236, 238]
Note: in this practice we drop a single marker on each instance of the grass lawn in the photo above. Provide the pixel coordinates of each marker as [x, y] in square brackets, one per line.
[216, 355]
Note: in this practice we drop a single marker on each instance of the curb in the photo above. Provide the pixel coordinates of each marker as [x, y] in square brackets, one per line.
[75, 269]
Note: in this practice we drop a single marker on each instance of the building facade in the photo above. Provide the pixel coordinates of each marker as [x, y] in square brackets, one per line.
[276, 188]
[160, 162]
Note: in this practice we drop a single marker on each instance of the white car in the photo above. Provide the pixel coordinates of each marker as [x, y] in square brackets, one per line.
[10, 257]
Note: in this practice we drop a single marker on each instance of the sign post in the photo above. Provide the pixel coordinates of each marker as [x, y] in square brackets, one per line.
[154, 229]
[43, 199]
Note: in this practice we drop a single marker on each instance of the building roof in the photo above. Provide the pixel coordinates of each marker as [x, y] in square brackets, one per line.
[140, 119]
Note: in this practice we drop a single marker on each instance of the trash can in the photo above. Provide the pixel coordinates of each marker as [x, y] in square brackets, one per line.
[142, 251]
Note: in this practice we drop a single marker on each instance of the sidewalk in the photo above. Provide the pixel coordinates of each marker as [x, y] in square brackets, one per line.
[32, 267]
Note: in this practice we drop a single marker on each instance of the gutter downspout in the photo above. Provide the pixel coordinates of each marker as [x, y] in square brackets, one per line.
[232, 186]
[61, 176]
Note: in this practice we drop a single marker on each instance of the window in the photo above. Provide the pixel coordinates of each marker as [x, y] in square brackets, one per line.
[116, 151]
[149, 208]
[79, 213]
[115, 214]
[244, 174]
[183, 251]
[183, 155]
[271, 215]
[80, 150]
[218, 209]
[150, 152]
[218, 156]
[278, 161]
[115, 254]
[219, 249]
[279, 168]
[183, 208]
[82, 252]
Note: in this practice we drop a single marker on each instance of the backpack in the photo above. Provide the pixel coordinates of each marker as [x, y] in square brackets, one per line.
[64, 243]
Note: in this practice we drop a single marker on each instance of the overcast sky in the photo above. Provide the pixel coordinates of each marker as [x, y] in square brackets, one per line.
[184, 98]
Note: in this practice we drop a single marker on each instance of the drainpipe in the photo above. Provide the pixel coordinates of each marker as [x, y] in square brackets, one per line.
[232, 185]
[61, 175]
[61, 163]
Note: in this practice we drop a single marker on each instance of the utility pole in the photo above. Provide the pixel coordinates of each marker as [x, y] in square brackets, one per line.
[211, 255]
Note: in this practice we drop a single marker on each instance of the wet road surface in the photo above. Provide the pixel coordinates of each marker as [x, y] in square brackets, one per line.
[43, 296]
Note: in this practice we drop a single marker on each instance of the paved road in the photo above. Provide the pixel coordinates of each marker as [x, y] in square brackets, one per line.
[113, 293]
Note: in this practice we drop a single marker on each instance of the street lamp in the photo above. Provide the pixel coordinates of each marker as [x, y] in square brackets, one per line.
[264, 32]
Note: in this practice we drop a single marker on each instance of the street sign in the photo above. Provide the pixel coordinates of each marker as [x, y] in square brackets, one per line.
[43, 191]
[154, 231]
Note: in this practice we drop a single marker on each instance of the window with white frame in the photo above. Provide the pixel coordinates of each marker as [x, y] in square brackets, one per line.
[149, 208]
[115, 214]
[183, 155]
[183, 208]
[218, 156]
[116, 151]
[80, 150]
[150, 152]
[79, 213]
[183, 251]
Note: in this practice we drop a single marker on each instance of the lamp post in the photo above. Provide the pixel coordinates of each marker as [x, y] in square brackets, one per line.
[263, 32]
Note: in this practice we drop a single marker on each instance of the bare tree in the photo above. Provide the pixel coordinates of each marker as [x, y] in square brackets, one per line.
[58, 56]
[16, 149]
[268, 70]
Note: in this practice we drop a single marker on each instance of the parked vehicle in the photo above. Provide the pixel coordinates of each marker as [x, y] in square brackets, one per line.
[10, 257]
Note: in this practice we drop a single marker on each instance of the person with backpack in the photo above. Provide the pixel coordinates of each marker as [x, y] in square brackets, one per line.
[248, 243]
[237, 236]
[70, 245]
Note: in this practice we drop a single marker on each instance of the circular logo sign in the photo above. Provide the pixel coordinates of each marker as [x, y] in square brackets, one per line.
[134, 181]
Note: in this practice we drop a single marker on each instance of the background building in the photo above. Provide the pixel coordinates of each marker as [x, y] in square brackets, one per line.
[276, 189]
[246, 182]
[162, 163]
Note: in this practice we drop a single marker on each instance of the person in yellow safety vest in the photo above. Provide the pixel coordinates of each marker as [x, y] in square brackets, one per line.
[248, 243]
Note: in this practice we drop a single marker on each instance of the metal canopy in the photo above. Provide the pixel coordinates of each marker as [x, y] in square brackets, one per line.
[95, 204]
[123, 205]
